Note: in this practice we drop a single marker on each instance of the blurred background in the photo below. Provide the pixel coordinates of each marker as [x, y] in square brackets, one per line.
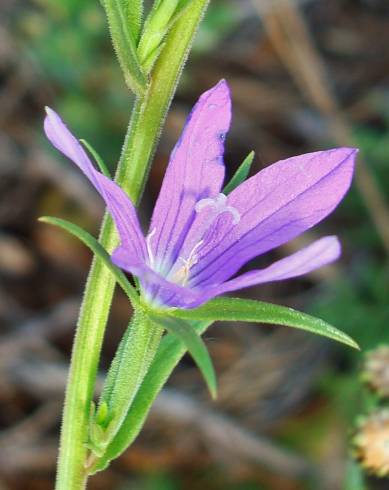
[305, 75]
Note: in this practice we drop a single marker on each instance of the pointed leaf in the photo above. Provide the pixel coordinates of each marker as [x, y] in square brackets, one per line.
[134, 10]
[103, 168]
[152, 58]
[170, 351]
[97, 249]
[155, 28]
[241, 174]
[126, 373]
[124, 44]
[180, 9]
[246, 310]
[195, 345]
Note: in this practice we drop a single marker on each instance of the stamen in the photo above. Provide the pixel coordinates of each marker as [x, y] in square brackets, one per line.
[219, 205]
[148, 246]
[181, 276]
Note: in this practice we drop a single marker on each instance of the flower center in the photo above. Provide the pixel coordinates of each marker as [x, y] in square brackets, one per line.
[218, 206]
[203, 233]
[181, 275]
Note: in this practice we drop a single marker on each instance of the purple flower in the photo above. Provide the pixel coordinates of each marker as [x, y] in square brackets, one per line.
[199, 238]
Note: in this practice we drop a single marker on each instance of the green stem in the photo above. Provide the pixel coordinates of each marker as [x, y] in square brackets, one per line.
[147, 118]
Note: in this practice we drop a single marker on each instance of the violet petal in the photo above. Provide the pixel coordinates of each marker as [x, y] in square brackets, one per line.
[156, 288]
[195, 171]
[317, 254]
[117, 201]
[275, 206]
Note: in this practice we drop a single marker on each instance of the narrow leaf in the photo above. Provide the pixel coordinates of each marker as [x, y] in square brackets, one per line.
[155, 28]
[98, 250]
[170, 351]
[134, 11]
[129, 366]
[181, 7]
[195, 345]
[152, 58]
[124, 44]
[103, 168]
[241, 174]
[246, 310]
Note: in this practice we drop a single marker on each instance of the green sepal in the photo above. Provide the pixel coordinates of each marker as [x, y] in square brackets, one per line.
[247, 310]
[241, 174]
[124, 43]
[98, 250]
[195, 345]
[100, 162]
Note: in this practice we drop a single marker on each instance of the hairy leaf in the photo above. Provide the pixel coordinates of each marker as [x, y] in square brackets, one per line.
[247, 310]
[170, 351]
[97, 249]
[195, 345]
[125, 45]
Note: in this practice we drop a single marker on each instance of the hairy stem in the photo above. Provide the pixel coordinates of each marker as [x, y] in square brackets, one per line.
[146, 122]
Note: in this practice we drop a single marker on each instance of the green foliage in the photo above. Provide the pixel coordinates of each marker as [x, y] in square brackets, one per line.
[355, 479]
[133, 12]
[170, 351]
[103, 168]
[156, 27]
[124, 43]
[98, 250]
[245, 310]
[362, 299]
[241, 174]
[195, 345]
[129, 366]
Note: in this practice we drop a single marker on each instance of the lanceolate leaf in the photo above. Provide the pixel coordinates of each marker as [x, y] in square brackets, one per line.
[155, 28]
[134, 10]
[100, 162]
[195, 345]
[181, 6]
[246, 310]
[125, 45]
[97, 249]
[132, 359]
[241, 174]
[170, 351]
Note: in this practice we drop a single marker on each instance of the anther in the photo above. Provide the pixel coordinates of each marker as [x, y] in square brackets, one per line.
[219, 205]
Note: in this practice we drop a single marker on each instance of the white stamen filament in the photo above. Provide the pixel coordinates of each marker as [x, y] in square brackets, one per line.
[218, 205]
[149, 249]
[181, 276]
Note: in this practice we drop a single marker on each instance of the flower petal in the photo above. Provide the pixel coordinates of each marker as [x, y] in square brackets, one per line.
[117, 201]
[275, 206]
[156, 289]
[319, 253]
[195, 171]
